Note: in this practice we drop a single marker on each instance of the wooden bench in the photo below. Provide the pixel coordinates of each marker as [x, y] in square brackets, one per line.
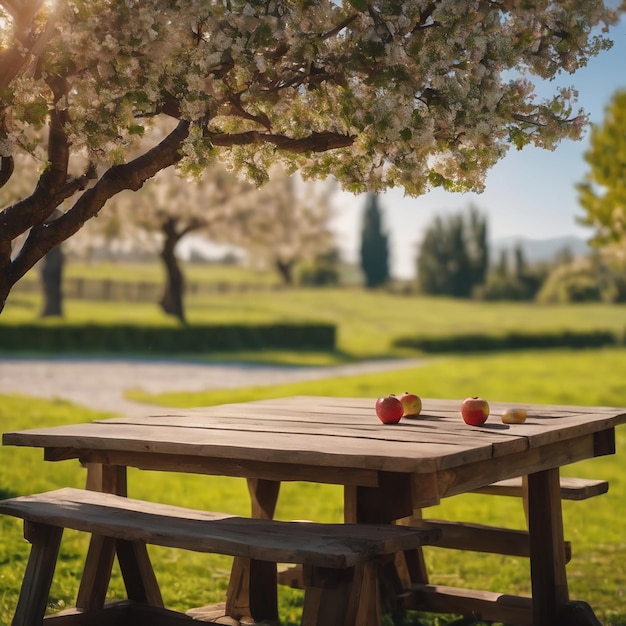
[339, 561]
[571, 488]
[497, 540]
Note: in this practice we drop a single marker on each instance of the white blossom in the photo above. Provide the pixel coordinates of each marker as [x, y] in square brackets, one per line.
[398, 92]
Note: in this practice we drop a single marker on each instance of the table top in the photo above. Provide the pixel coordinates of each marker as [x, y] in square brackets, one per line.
[329, 432]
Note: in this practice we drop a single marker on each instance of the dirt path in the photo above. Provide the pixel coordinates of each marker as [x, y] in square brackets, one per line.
[101, 383]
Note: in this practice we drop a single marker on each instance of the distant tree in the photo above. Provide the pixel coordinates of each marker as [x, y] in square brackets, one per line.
[284, 222]
[374, 245]
[502, 266]
[564, 256]
[584, 279]
[478, 246]
[323, 271]
[521, 281]
[519, 262]
[602, 193]
[453, 258]
[156, 218]
[51, 272]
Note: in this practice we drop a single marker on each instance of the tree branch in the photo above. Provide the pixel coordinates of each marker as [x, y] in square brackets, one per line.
[317, 142]
[33, 210]
[339, 27]
[131, 175]
[6, 169]
[238, 109]
[527, 119]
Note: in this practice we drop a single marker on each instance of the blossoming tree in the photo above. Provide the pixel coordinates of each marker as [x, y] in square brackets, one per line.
[411, 93]
[162, 213]
[278, 225]
[284, 222]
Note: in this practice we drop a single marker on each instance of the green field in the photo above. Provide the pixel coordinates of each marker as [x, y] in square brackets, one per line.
[367, 322]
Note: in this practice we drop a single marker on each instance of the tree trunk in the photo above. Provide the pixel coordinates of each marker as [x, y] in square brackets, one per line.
[54, 187]
[285, 269]
[5, 289]
[51, 282]
[172, 300]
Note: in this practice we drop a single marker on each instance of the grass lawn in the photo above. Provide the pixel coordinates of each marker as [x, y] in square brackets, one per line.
[597, 572]
[367, 321]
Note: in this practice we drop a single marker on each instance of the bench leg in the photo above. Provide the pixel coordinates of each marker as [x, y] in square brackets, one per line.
[258, 600]
[327, 596]
[96, 574]
[365, 607]
[139, 578]
[253, 592]
[45, 543]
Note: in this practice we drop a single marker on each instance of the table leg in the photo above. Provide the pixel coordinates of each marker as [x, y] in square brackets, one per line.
[547, 547]
[385, 504]
[99, 562]
[139, 578]
[550, 603]
[107, 478]
[389, 503]
[258, 600]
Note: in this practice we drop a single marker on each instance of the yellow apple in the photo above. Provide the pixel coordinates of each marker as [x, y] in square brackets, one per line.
[514, 416]
[411, 403]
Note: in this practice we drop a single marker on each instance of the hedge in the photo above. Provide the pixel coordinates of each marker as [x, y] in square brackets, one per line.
[477, 342]
[86, 338]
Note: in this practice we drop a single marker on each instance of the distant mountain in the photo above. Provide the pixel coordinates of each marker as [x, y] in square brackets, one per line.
[539, 250]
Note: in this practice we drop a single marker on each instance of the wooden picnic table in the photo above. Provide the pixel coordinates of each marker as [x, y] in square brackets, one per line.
[389, 472]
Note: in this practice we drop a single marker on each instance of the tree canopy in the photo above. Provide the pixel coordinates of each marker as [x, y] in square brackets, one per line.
[409, 93]
[602, 193]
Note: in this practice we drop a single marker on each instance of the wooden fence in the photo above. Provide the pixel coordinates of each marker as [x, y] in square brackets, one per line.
[143, 291]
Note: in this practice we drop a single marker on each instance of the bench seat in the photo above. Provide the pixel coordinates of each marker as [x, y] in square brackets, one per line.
[317, 547]
[571, 488]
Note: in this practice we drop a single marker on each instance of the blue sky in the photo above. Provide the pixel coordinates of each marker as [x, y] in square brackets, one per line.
[530, 193]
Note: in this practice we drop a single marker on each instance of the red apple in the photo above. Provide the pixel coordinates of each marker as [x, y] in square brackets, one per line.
[474, 411]
[389, 409]
[411, 403]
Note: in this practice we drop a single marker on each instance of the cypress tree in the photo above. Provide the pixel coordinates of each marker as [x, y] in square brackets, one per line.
[374, 245]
